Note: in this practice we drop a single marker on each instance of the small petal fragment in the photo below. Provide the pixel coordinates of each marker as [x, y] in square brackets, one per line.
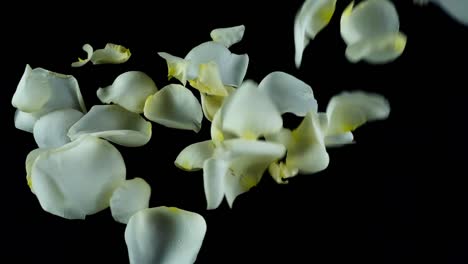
[313, 16]
[50, 131]
[214, 172]
[164, 235]
[111, 54]
[176, 67]
[209, 80]
[78, 178]
[289, 94]
[129, 90]
[176, 107]
[89, 54]
[25, 121]
[129, 198]
[228, 36]
[115, 124]
[193, 156]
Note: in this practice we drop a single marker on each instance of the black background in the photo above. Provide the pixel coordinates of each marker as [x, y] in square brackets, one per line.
[397, 196]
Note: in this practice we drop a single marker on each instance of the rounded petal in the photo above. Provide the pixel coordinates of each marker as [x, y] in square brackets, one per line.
[212, 103]
[50, 131]
[89, 52]
[192, 157]
[111, 54]
[176, 67]
[78, 178]
[164, 235]
[228, 36]
[25, 121]
[208, 80]
[378, 50]
[130, 197]
[283, 137]
[232, 67]
[250, 113]
[289, 94]
[30, 159]
[214, 172]
[457, 9]
[129, 90]
[174, 106]
[115, 124]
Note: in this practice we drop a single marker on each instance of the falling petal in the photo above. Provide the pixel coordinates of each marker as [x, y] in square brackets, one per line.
[115, 124]
[212, 103]
[111, 54]
[176, 67]
[50, 131]
[208, 80]
[30, 159]
[78, 178]
[192, 157]
[164, 235]
[129, 198]
[282, 137]
[129, 90]
[280, 172]
[89, 53]
[377, 50]
[214, 172]
[228, 36]
[457, 9]
[339, 140]
[174, 106]
[217, 134]
[25, 121]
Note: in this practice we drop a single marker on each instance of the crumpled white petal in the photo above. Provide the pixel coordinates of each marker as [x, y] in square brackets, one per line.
[228, 36]
[41, 91]
[129, 90]
[164, 235]
[457, 9]
[176, 67]
[289, 94]
[193, 156]
[50, 131]
[311, 18]
[78, 178]
[212, 103]
[25, 121]
[115, 124]
[130, 197]
[174, 106]
[214, 172]
[371, 31]
[111, 54]
[209, 80]
[232, 67]
[250, 113]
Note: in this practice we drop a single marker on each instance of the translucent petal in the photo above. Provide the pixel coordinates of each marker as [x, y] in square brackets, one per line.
[250, 113]
[89, 53]
[339, 140]
[129, 90]
[311, 18]
[78, 178]
[228, 36]
[111, 54]
[130, 197]
[280, 172]
[349, 110]
[42, 91]
[214, 172]
[289, 94]
[192, 157]
[174, 106]
[164, 235]
[115, 124]
[457, 9]
[232, 67]
[30, 159]
[50, 131]
[176, 67]
[209, 80]
[306, 151]
[25, 121]
[379, 50]
[212, 103]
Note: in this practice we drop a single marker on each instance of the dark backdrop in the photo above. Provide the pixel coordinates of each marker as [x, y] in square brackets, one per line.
[397, 196]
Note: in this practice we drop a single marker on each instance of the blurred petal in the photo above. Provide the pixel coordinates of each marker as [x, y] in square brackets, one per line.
[282, 137]
[378, 50]
[111, 54]
[289, 94]
[212, 103]
[129, 90]
[214, 172]
[232, 67]
[174, 106]
[457, 9]
[25, 121]
[115, 124]
[50, 131]
[311, 18]
[78, 178]
[208, 80]
[164, 235]
[250, 113]
[89, 53]
[228, 36]
[129, 198]
[280, 172]
[176, 67]
[217, 134]
[192, 157]
[339, 140]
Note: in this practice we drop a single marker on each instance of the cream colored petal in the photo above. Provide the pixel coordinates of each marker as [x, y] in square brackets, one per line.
[339, 140]
[209, 80]
[289, 94]
[232, 67]
[311, 18]
[379, 50]
[280, 172]
[50, 131]
[228, 36]
[129, 90]
[217, 134]
[307, 148]
[115, 124]
[89, 53]
[130, 197]
[176, 67]
[192, 157]
[42, 91]
[164, 235]
[283, 137]
[214, 172]
[250, 113]
[212, 103]
[30, 159]
[25, 121]
[349, 110]
[111, 54]
[174, 106]
[78, 178]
